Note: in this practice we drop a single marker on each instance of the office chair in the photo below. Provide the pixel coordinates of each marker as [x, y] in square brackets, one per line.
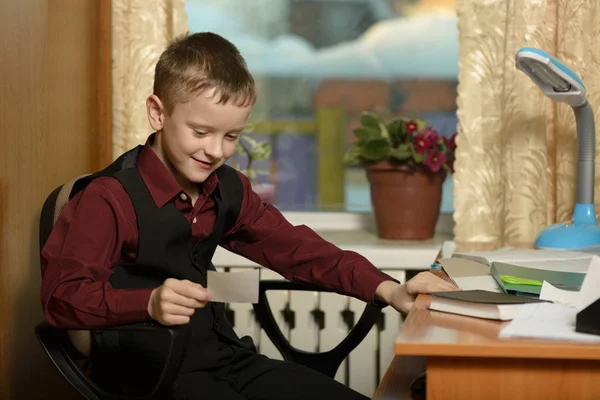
[71, 352]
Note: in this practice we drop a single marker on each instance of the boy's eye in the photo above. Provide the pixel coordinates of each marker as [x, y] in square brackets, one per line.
[200, 133]
[231, 137]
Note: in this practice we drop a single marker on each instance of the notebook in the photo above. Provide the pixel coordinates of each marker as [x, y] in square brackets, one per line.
[480, 304]
[557, 260]
[469, 275]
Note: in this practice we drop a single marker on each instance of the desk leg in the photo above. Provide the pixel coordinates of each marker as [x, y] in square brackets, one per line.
[395, 384]
[459, 378]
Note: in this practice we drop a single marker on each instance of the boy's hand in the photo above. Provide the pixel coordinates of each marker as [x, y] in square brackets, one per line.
[402, 297]
[174, 302]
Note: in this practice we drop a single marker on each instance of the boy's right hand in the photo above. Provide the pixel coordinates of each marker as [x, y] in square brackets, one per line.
[174, 302]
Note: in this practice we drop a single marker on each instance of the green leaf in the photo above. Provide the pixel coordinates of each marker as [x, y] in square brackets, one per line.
[370, 120]
[367, 133]
[417, 157]
[384, 132]
[421, 124]
[400, 155]
[376, 150]
[396, 130]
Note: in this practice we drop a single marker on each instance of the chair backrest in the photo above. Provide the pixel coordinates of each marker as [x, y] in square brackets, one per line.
[51, 210]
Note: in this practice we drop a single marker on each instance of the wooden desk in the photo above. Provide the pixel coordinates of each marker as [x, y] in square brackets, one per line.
[465, 359]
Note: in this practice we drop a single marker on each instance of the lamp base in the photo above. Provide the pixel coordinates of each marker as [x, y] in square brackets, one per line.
[581, 233]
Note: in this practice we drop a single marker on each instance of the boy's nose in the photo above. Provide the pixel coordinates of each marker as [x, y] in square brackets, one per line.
[214, 149]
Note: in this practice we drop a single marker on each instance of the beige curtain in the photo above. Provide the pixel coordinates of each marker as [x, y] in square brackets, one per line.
[141, 31]
[517, 150]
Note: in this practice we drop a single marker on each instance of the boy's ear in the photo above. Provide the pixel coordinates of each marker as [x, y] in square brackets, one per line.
[155, 111]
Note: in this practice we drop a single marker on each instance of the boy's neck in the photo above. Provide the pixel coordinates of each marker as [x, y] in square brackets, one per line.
[190, 188]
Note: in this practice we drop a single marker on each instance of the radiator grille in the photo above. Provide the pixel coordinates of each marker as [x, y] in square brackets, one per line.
[372, 356]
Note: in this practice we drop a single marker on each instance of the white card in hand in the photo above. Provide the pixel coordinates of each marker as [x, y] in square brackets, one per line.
[233, 287]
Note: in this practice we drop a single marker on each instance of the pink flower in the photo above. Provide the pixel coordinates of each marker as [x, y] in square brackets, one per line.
[434, 160]
[411, 126]
[430, 134]
[422, 143]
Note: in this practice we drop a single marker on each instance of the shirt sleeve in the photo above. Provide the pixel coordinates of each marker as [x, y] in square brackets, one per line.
[263, 235]
[78, 259]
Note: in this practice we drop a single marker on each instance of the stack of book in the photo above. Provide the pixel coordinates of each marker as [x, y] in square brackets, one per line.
[496, 284]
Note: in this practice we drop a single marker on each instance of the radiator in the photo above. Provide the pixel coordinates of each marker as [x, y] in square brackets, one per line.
[364, 367]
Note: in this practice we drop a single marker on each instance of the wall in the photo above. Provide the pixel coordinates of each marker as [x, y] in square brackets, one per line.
[54, 124]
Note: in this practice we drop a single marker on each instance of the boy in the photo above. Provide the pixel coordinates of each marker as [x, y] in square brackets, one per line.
[136, 239]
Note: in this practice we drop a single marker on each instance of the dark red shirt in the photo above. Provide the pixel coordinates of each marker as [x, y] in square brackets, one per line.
[97, 229]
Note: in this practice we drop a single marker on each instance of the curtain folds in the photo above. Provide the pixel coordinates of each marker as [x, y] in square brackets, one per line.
[517, 150]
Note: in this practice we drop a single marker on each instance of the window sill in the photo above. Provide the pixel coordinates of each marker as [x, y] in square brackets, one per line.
[355, 232]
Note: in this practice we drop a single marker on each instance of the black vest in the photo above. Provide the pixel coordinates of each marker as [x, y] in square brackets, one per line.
[167, 250]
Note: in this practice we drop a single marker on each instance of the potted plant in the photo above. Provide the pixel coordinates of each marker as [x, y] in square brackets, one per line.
[406, 163]
[254, 150]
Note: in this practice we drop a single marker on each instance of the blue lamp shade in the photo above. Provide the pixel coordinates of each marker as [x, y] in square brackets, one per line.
[561, 84]
[581, 233]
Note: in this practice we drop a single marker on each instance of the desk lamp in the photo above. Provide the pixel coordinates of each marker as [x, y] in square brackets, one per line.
[559, 83]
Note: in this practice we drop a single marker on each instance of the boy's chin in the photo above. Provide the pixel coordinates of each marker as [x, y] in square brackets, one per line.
[198, 176]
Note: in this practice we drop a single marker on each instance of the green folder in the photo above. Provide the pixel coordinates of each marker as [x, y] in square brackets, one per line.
[514, 279]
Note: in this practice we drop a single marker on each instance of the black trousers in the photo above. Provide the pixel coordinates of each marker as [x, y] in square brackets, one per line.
[212, 369]
[256, 377]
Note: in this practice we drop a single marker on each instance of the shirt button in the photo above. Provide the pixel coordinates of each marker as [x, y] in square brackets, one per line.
[183, 197]
[195, 220]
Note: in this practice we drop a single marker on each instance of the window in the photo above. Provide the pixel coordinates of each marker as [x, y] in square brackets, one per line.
[318, 64]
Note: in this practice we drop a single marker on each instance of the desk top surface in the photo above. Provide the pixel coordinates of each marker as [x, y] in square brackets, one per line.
[433, 333]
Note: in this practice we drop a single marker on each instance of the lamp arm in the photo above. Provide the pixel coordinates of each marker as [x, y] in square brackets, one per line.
[586, 140]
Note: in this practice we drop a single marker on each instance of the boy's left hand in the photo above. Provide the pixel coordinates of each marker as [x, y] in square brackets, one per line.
[402, 297]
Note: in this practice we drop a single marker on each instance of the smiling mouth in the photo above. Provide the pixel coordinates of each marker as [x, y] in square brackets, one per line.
[204, 164]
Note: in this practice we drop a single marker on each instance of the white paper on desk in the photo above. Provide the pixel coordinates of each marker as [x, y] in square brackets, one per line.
[556, 295]
[589, 292]
[546, 321]
[233, 287]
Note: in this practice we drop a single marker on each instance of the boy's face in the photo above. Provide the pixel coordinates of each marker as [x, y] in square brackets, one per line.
[198, 136]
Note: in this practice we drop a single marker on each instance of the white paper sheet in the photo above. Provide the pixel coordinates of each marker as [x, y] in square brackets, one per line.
[589, 292]
[556, 320]
[546, 321]
[556, 295]
[234, 287]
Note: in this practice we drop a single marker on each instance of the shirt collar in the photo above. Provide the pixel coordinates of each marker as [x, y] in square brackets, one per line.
[161, 183]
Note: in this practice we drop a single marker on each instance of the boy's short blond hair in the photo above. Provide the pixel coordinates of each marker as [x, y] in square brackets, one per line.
[192, 63]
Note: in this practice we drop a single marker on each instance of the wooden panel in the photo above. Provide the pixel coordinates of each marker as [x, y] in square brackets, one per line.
[49, 117]
[464, 378]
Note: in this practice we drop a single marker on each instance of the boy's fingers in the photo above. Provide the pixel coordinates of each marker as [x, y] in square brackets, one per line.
[174, 309]
[192, 290]
[176, 320]
[184, 301]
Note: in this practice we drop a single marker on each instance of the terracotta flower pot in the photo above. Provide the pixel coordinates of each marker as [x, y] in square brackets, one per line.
[406, 204]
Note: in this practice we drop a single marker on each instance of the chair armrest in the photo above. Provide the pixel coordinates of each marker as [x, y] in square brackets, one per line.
[325, 362]
[61, 352]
